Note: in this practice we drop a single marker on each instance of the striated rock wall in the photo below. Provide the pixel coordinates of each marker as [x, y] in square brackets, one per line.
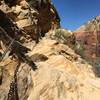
[89, 42]
[89, 36]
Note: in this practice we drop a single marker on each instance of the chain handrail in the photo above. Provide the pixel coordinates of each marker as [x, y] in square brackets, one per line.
[13, 91]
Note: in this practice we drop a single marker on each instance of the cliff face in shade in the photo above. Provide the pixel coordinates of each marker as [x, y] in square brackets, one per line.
[35, 17]
[89, 36]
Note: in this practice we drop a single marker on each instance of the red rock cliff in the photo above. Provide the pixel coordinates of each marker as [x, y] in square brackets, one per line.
[89, 36]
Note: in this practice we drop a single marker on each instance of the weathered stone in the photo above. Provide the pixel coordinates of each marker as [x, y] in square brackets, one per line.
[37, 20]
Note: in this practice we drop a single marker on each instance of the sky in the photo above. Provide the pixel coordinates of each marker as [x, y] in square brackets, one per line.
[74, 13]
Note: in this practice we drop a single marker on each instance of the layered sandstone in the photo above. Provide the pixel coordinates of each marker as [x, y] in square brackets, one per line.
[61, 75]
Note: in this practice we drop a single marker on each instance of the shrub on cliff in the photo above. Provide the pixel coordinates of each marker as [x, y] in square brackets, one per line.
[79, 49]
[63, 36]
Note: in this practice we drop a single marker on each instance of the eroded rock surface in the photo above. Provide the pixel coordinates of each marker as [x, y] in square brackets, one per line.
[59, 77]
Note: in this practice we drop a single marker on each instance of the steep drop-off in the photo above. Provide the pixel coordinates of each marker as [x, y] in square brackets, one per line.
[89, 36]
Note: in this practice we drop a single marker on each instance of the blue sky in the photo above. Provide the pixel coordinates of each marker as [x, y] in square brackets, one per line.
[74, 13]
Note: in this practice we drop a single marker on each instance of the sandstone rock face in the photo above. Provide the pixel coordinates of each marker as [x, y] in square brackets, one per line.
[35, 17]
[61, 74]
[89, 36]
[64, 75]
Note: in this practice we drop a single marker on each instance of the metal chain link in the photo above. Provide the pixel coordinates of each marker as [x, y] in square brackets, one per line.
[13, 91]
